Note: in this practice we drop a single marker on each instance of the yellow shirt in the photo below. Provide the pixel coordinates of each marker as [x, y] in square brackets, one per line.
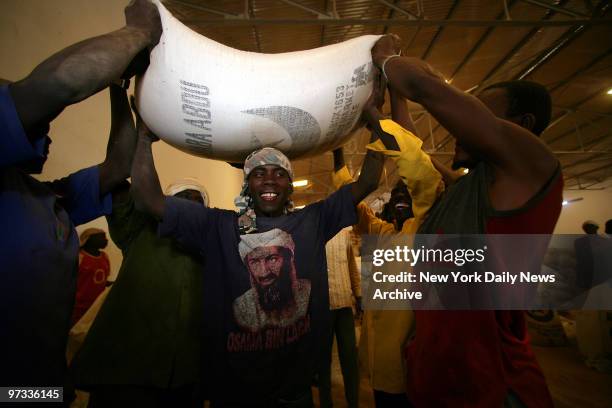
[385, 332]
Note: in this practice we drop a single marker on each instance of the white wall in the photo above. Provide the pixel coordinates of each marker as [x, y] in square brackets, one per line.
[32, 30]
[596, 205]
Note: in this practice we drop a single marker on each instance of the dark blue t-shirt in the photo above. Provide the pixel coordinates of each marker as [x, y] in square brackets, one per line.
[38, 255]
[266, 303]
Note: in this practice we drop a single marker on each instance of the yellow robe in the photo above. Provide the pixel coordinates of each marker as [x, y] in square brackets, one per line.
[385, 332]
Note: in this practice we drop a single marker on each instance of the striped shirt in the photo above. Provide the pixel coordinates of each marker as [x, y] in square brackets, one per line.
[343, 274]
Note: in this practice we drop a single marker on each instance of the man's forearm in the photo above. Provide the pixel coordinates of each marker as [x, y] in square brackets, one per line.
[399, 111]
[121, 142]
[373, 116]
[146, 189]
[370, 173]
[74, 74]
[338, 159]
[462, 114]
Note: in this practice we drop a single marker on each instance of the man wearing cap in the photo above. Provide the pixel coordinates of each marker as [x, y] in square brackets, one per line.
[94, 268]
[252, 358]
[143, 349]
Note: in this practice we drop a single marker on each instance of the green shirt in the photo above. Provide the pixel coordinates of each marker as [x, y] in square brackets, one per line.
[148, 330]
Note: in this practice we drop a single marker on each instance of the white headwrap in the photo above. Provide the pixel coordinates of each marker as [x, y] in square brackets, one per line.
[187, 183]
[274, 237]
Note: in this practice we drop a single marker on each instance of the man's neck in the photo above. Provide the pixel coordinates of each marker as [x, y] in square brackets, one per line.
[92, 251]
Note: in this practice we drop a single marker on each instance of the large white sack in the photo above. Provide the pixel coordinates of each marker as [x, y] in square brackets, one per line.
[218, 102]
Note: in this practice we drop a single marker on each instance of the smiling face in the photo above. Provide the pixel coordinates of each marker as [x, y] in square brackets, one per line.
[401, 205]
[270, 188]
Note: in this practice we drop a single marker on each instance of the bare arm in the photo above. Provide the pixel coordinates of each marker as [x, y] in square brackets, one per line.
[503, 144]
[401, 115]
[83, 69]
[448, 175]
[374, 161]
[399, 111]
[146, 190]
[338, 159]
[121, 142]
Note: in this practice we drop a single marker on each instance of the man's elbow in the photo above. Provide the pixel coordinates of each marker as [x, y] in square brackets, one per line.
[140, 201]
[365, 187]
[370, 186]
[153, 206]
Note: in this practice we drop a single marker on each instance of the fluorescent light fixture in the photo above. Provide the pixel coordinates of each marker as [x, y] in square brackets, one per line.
[571, 200]
[300, 183]
[466, 171]
[299, 207]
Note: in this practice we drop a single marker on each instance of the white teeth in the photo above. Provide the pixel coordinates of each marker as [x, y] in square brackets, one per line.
[268, 195]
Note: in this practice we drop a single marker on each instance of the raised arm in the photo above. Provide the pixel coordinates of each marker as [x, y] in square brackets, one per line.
[401, 115]
[399, 111]
[501, 143]
[83, 69]
[338, 158]
[121, 142]
[146, 190]
[374, 161]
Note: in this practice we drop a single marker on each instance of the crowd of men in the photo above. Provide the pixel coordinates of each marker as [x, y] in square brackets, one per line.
[233, 306]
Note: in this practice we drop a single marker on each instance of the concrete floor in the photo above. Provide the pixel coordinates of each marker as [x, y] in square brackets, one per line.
[571, 383]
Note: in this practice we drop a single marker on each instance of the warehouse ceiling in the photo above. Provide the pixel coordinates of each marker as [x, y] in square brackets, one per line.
[565, 45]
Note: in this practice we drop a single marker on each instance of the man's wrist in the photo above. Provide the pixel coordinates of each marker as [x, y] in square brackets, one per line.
[379, 59]
[144, 138]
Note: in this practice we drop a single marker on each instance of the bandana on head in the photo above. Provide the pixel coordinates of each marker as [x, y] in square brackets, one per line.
[244, 202]
[187, 183]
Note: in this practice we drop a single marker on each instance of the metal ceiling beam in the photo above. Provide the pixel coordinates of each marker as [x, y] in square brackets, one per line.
[208, 9]
[558, 9]
[574, 107]
[581, 71]
[516, 48]
[389, 16]
[555, 120]
[318, 13]
[584, 173]
[545, 55]
[550, 52]
[452, 9]
[399, 10]
[479, 43]
[573, 130]
[397, 22]
[520, 44]
[567, 38]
